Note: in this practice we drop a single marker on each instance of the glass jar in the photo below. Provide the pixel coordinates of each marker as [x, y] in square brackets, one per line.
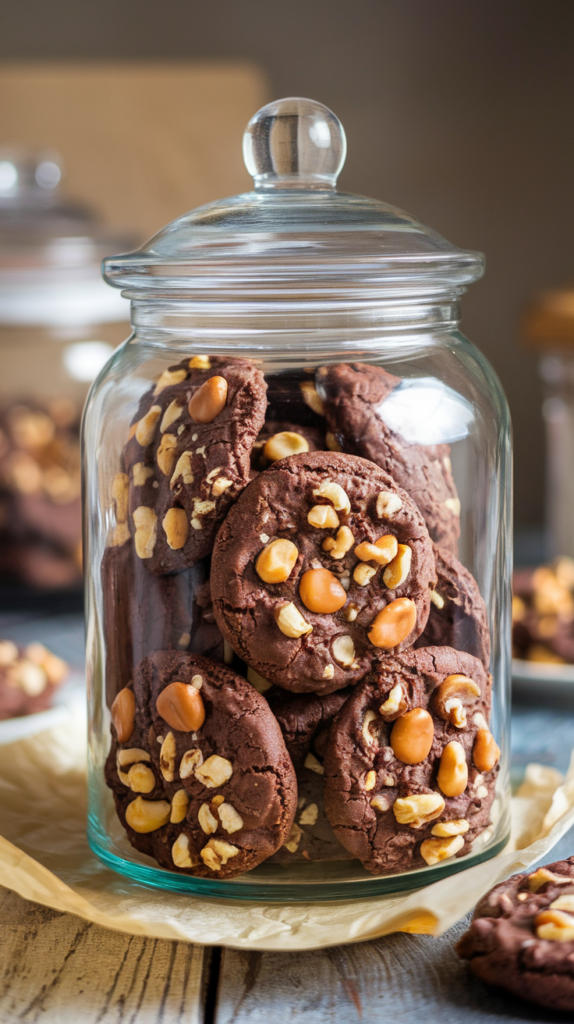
[288, 681]
[58, 326]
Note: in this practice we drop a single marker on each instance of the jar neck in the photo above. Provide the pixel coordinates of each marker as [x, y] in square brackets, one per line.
[295, 324]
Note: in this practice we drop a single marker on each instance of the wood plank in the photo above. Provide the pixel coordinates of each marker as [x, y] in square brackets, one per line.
[57, 969]
[404, 979]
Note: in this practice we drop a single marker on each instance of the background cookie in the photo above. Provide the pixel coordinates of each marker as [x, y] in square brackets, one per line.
[458, 616]
[188, 456]
[394, 797]
[143, 613]
[322, 565]
[305, 720]
[351, 395]
[229, 784]
[522, 936]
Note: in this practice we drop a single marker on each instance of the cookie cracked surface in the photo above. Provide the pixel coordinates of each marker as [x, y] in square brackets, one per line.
[392, 795]
[322, 565]
[215, 791]
[188, 457]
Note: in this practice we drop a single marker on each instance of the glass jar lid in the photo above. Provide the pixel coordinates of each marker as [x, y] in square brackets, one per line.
[295, 233]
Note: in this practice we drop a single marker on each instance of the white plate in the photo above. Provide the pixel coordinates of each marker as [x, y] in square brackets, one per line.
[529, 676]
[72, 693]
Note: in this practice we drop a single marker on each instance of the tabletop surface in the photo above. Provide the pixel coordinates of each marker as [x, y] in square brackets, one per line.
[58, 969]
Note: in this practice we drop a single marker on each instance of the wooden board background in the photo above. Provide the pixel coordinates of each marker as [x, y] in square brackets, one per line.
[142, 141]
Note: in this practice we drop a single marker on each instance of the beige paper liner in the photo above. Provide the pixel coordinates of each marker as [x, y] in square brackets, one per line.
[44, 856]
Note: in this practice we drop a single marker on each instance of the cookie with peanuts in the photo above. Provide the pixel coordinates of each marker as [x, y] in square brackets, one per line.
[215, 791]
[410, 762]
[321, 566]
[521, 937]
[188, 456]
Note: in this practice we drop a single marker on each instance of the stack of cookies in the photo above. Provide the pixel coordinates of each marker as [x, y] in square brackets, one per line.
[40, 494]
[296, 661]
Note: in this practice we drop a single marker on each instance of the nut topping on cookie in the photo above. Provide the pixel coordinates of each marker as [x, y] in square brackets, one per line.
[180, 852]
[412, 736]
[214, 771]
[181, 706]
[323, 517]
[388, 504]
[167, 378]
[321, 592]
[283, 444]
[444, 829]
[145, 429]
[394, 705]
[166, 454]
[206, 819]
[189, 762]
[179, 806]
[147, 815]
[123, 711]
[433, 851]
[291, 622]
[171, 414]
[230, 820]
[383, 551]
[343, 650]
[452, 698]
[419, 809]
[334, 493]
[167, 757]
[145, 522]
[216, 854]
[339, 545]
[208, 402]
[275, 563]
[486, 751]
[393, 624]
[398, 569]
[176, 527]
[555, 926]
[453, 770]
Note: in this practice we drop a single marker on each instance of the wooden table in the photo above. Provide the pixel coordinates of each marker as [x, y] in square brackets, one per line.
[57, 969]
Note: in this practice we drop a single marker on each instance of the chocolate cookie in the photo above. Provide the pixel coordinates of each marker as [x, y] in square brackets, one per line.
[143, 613]
[40, 485]
[217, 793]
[321, 566]
[29, 678]
[543, 613]
[188, 457]
[458, 616]
[305, 720]
[410, 764]
[353, 395]
[522, 936]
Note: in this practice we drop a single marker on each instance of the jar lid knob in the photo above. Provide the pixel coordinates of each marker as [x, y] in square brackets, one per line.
[294, 143]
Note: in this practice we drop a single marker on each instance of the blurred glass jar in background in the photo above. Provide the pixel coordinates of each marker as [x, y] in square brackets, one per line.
[58, 326]
[549, 328]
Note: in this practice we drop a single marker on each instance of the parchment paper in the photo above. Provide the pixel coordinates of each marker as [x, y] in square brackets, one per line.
[44, 856]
